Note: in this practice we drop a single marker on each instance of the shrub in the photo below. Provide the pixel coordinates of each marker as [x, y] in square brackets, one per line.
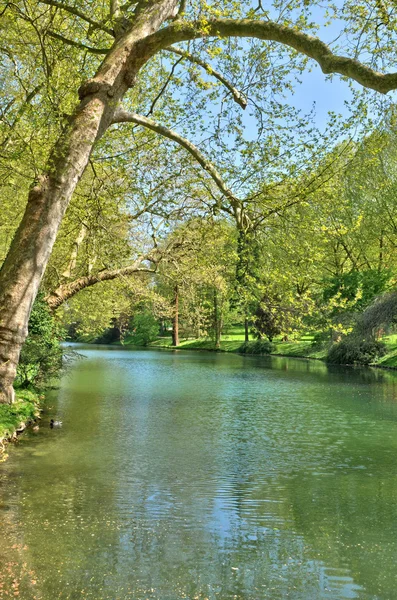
[258, 347]
[353, 351]
[41, 355]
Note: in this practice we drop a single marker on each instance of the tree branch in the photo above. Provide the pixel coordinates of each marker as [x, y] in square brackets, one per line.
[20, 112]
[68, 290]
[77, 13]
[67, 274]
[65, 40]
[237, 96]
[122, 116]
[303, 43]
[164, 87]
[114, 9]
[181, 10]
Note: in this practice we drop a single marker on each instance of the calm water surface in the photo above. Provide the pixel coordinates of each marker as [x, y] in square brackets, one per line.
[205, 476]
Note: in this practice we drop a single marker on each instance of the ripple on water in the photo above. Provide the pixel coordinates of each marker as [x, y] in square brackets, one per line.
[205, 476]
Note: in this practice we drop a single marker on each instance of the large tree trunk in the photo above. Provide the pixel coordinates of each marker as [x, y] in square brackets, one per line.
[175, 318]
[24, 266]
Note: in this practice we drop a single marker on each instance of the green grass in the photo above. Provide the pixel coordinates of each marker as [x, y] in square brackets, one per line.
[197, 344]
[304, 347]
[24, 409]
[233, 338]
[390, 359]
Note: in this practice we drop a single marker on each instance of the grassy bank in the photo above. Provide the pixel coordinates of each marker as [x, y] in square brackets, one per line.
[15, 417]
[390, 359]
[304, 347]
[232, 341]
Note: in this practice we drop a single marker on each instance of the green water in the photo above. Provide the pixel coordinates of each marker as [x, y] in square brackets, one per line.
[192, 475]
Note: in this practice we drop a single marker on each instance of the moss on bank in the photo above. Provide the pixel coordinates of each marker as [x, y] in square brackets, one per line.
[15, 417]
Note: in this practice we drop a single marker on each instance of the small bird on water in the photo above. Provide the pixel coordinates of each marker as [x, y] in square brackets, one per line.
[55, 423]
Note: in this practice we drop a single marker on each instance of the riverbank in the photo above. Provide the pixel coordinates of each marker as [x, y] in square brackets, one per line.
[304, 347]
[14, 418]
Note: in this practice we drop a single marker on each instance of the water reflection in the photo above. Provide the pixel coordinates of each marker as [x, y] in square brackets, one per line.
[195, 475]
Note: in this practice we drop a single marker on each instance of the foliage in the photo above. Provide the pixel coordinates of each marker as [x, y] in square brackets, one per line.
[353, 350]
[203, 268]
[257, 347]
[144, 328]
[358, 287]
[115, 332]
[41, 356]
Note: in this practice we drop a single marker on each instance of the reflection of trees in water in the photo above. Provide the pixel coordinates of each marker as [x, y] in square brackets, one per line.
[65, 510]
[201, 485]
[352, 522]
[232, 541]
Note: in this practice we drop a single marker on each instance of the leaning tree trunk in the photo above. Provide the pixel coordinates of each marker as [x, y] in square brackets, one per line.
[24, 266]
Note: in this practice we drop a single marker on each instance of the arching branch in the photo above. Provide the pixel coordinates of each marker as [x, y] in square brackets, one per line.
[303, 43]
[237, 96]
[155, 256]
[122, 116]
[68, 290]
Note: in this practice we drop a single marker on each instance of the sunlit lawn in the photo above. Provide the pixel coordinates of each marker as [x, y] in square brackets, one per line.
[304, 347]
[390, 359]
[233, 337]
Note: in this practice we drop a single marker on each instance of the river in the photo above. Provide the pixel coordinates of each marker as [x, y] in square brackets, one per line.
[203, 476]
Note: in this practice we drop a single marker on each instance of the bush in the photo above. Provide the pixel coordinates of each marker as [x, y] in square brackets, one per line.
[41, 355]
[356, 351]
[145, 328]
[258, 347]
